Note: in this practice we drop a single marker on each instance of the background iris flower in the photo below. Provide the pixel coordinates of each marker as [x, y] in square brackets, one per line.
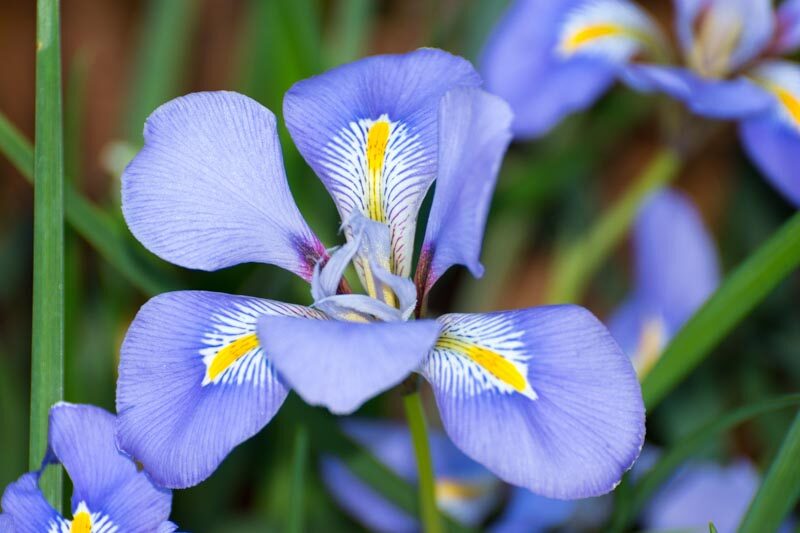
[464, 489]
[542, 397]
[549, 59]
[676, 270]
[109, 495]
[703, 492]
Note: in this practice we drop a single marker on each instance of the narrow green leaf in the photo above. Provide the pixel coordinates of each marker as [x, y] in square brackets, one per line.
[735, 298]
[674, 457]
[299, 460]
[352, 24]
[164, 43]
[712, 528]
[575, 266]
[100, 229]
[47, 346]
[781, 488]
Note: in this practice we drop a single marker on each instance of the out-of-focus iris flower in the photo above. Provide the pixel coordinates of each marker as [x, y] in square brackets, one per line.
[549, 59]
[465, 490]
[676, 270]
[109, 493]
[542, 397]
[700, 493]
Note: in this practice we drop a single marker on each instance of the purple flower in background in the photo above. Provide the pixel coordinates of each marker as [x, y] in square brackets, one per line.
[109, 493]
[700, 493]
[544, 397]
[464, 490]
[676, 270]
[549, 59]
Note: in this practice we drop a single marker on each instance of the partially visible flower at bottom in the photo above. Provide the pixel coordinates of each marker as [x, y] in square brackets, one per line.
[110, 494]
[676, 270]
[465, 490]
[700, 493]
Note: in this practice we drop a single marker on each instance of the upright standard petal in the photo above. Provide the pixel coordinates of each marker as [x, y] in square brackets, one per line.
[542, 397]
[520, 63]
[368, 129]
[24, 502]
[720, 36]
[341, 364]
[473, 136]
[464, 490]
[208, 190]
[703, 493]
[194, 382]
[108, 489]
[772, 140]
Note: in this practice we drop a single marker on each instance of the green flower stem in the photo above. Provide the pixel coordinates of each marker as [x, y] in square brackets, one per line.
[296, 503]
[429, 513]
[739, 293]
[47, 346]
[781, 488]
[575, 266]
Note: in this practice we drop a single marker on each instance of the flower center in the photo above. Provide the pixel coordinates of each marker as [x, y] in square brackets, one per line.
[718, 35]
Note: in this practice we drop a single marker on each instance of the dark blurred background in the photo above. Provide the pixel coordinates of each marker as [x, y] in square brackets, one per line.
[122, 59]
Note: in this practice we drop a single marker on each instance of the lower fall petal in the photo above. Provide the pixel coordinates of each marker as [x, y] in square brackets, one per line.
[543, 397]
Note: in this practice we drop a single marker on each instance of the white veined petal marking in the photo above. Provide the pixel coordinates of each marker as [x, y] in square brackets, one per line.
[233, 354]
[376, 167]
[83, 521]
[480, 353]
[612, 29]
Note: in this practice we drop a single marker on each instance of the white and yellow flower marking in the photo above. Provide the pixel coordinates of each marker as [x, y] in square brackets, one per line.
[84, 521]
[475, 354]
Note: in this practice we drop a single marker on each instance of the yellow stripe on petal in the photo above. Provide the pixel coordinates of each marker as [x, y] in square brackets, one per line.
[789, 101]
[588, 34]
[229, 354]
[492, 362]
[449, 489]
[377, 140]
[82, 523]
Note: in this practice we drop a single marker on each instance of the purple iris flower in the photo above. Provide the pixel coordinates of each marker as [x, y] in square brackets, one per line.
[109, 493]
[542, 397]
[549, 59]
[676, 270]
[465, 490]
[700, 493]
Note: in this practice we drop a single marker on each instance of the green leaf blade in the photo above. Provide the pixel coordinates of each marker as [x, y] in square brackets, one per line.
[47, 345]
[730, 304]
[781, 488]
